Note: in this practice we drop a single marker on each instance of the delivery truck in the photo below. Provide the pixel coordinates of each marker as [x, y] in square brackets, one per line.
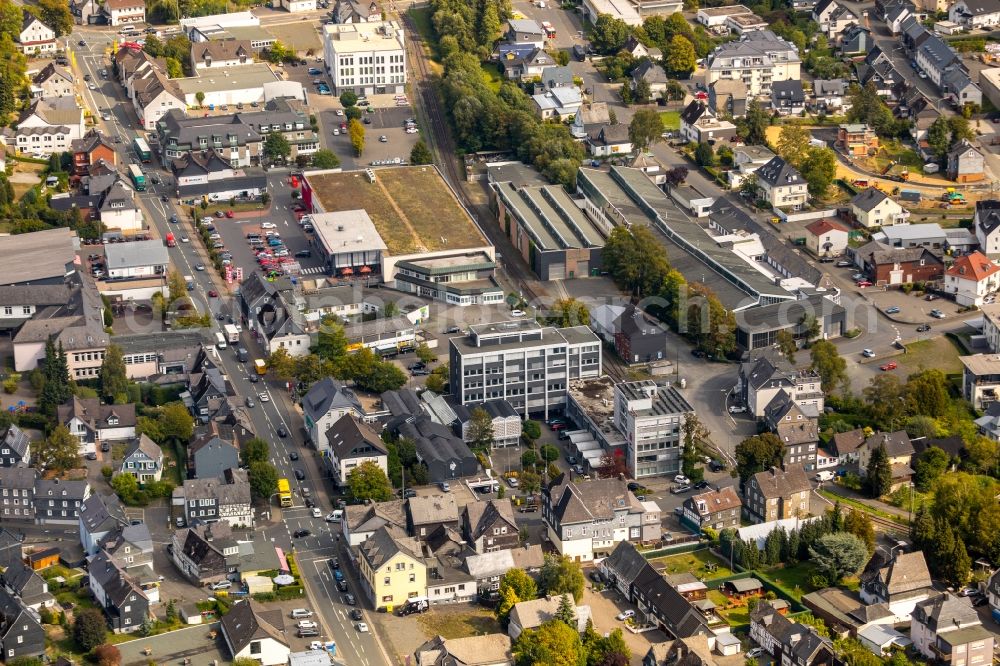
[232, 333]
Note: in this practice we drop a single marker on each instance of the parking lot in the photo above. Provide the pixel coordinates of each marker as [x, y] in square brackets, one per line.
[388, 122]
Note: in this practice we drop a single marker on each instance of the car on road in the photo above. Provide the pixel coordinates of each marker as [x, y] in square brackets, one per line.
[923, 328]
[185, 239]
[937, 314]
[885, 367]
[92, 86]
[268, 225]
[293, 455]
[199, 267]
[737, 409]
[868, 353]
[892, 310]
[383, 139]
[86, 77]
[264, 397]
[356, 614]
[81, 43]
[334, 563]
[624, 615]
[350, 600]
[680, 478]
[105, 115]
[249, 402]
[517, 313]
[221, 585]
[342, 585]
[299, 474]
[335, 516]
[282, 432]
[338, 574]
[213, 293]
[825, 475]
[361, 627]
[316, 513]
[299, 534]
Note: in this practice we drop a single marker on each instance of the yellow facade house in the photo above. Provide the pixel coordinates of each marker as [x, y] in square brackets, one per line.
[392, 569]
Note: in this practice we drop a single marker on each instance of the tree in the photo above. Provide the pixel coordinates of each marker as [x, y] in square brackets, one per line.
[125, 486]
[692, 432]
[567, 312]
[926, 393]
[255, 450]
[879, 473]
[860, 525]
[642, 93]
[114, 382]
[507, 600]
[176, 422]
[56, 15]
[939, 137]
[819, 169]
[437, 381]
[263, 479]
[645, 129]
[753, 126]
[276, 147]
[786, 344]
[838, 555]
[606, 651]
[827, 362]
[884, 395]
[89, 629]
[175, 70]
[281, 364]
[676, 176]
[59, 451]
[489, 23]
[367, 481]
[679, 57]
[758, 453]
[331, 343]
[107, 655]
[348, 98]
[548, 453]
[561, 575]
[528, 459]
[480, 430]
[566, 612]
[636, 260]
[357, 133]
[931, 464]
[553, 644]
[421, 154]
[793, 144]
[177, 287]
[531, 431]
[704, 155]
[521, 583]
[324, 158]
[609, 34]
[612, 465]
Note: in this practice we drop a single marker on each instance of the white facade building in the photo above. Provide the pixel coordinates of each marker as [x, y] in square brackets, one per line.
[367, 58]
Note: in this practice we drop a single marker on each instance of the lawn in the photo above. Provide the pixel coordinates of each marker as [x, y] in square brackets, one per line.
[735, 616]
[491, 74]
[793, 579]
[939, 353]
[458, 624]
[694, 562]
[671, 120]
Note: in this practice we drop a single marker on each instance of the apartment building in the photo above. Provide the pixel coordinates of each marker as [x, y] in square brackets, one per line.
[758, 59]
[367, 58]
[650, 416]
[523, 362]
[776, 494]
[229, 136]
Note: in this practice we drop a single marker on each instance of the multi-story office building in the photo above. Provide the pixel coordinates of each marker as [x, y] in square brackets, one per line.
[368, 58]
[522, 362]
[650, 416]
[758, 59]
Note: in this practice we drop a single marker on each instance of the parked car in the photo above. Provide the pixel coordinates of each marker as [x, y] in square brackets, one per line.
[892, 310]
[681, 479]
[679, 490]
[300, 613]
[298, 534]
[624, 615]
[868, 353]
[891, 365]
[923, 328]
[221, 585]
[937, 314]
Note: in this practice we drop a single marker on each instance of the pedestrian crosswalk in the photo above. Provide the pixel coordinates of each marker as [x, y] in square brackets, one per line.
[312, 271]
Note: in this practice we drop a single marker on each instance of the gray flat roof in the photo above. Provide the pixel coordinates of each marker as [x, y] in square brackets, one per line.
[229, 78]
[40, 255]
[551, 216]
[136, 253]
[347, 231]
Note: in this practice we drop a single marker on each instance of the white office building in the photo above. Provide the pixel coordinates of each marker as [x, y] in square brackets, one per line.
[368, 58]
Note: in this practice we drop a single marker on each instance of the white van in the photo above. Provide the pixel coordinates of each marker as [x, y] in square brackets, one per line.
[220, 340]
[825, 475]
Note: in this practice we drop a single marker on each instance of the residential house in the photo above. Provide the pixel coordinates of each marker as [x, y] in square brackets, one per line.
[591, 116]
[326, 403]
[717, 509]
[965, 163]
[746, 160]
[728, 96]
[21, 303]
[349, 444]
[637, 338]
[980, 379]
[356, 11]
[23, 582]
[130, 548]
[391, 567]
[506, 422]
[826, 237]
[896, 266]
[935, 57]
[872, 207]
[218, 53]
[224, 498]
[959, 90]
[35, 38]
[17, 493]
[698, 124]
[53, 81]
[975, 14]
[230, 136]
[882, 74]
[648, 417]
[488, 568]
[622, 567]
[118, 595]
[483, 650]
[971, 278]
[15, 448]
[833, 17]
[758, 59]
[988, 424]
[94, 423]
[143, 460]
[638, 50]
[609, 140]
[525, 31]
[21, 633]
[536, 612]
[763, 378]
[203, 552]
[49, 126]
[560, 103]
[782, 185]
[828, 95]
[898, 448]
[58, 502]
[209, 456]
[947, 629]
[855, 40]
[555, 77]
[847, 446]
[653, 75]
[271, 315]
[85, 12]
[660, 604]
[99, 515]
[788, 98]
[427, 513]
[522, 62]
[124, 12]
[899, 580]
[857, 139]
[251, 632]
[777, 494]
[208, 389]
[585, 521]
[360, 521]
[92, 149]
[986, 223]
[490, 526]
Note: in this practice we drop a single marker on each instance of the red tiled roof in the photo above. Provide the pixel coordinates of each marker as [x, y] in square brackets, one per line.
[825, 225]
[975, 266]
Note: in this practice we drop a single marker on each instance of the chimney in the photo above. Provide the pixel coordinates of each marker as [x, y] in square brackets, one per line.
[208, 533]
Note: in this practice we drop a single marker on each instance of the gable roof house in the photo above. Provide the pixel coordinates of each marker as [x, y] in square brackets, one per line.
[58, 501]
[746, 160]
[360, 521]
[971, 278]
[124, 12]
[637, 338]
[489, 526]
[17, 490]
[717, 509]
[609, 140]
[15, 448]
[827, 237]
[210, 456]
[154, 95]
[391, 567]
[89, 150]
[986, 222]
[966, 163]
[94, 423]
[833, 17]
[21, 634]
[225, 498]
[23, 582]
[728, 96]
[561, 103]
[589, 117]
[130, 547]
[427, 513]
[763, 378]
[350, 443]
[99, 515]
[536, 612]
[782, 185]
[659, 603]
[900, 265]
[251, 632]
[326, 403]
[856, 39]
[203, 552]
[899, 580]
[220, 53]
[49, 126]
[698, 124]
[118, 594]
[143, 460]
[270, 312]
[53, 81]
[356, 11]
[622, 567]
[958, 88]
[485, 650]
[898, 448]
[653, 74]
[973, 14]
[777, 494]
[788, 98]
[872, 207]
[934, 57]
[797, 428]
[35, 37]
[947, 629]
[520, 62]
[525, 31]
